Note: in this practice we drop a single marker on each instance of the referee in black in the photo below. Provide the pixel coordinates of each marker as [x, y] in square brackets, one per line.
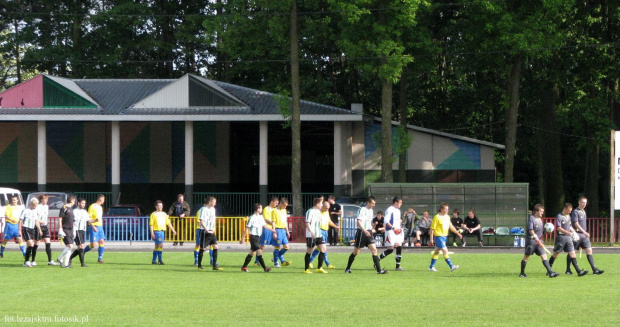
[535, 231]
[564, 241]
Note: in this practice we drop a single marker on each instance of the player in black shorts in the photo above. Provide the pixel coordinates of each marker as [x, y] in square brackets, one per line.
[364, 238]
[66, 231]
[563, 240]
[578, 219]
[535, 231]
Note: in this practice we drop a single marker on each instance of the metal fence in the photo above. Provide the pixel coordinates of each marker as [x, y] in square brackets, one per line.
[240, 203]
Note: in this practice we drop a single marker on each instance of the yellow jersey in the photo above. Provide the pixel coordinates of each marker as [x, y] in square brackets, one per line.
[159, 221]
[279, 217]
[95, 211]
[441, 225]
[325, 220]
[12, 213]
[268, 213]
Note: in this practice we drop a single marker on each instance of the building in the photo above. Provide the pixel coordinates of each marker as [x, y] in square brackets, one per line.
[150, 139]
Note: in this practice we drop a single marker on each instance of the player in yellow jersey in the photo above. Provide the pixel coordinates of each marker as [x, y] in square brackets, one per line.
[11, 228]
[157, 226]
[439, 235]
[326, 222]
[95, 229]
[281, 234]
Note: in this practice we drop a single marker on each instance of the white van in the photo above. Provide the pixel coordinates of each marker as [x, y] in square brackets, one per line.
[5, 198]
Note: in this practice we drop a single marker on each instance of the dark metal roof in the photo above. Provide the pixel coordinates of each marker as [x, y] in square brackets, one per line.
[189, 111]
[50, 111]
[115, 95]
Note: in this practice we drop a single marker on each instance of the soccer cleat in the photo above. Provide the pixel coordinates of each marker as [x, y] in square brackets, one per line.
[382, 272]
[582, 273]
[216, 265]
[455, 267]
[52, 263]
[311, 266]
[553, 274]
[27, 264]
[99, 261]
[480, 244]
[218, 268]
[331, 267]
[154, 262]
[196, 263]
[257, 264]
[347, 271]
[399, 269]
[321, 271]
[84, 266]
[568, 272]
[181, 244]
[522, 275]
[161, 263]
[598, 271]
[433, 269]
[267, 269]
[277, 265]
[244, 269]
[175, 243]
[417, 244]
[1, 255]
[464, 243]
[307, 271]
[287, 263]
[200, 268]
[33, 263]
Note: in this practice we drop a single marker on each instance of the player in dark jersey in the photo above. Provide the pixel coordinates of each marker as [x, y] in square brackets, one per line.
[66, 230]
[578, 219]
[563, 240]
[535, 231]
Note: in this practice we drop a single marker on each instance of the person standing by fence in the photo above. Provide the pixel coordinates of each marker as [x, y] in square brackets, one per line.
[335, 212]
[180, 209]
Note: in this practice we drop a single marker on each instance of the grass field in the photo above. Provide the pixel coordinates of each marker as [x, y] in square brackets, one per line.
[485, 291]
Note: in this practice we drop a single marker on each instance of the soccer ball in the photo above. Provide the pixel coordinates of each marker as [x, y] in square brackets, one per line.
[549, 227]
[575, 237]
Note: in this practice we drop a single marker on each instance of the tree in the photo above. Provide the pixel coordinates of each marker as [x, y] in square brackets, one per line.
[295, 115]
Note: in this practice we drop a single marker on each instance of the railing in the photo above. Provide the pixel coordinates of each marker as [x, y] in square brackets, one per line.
[238, 204]
[598, 228]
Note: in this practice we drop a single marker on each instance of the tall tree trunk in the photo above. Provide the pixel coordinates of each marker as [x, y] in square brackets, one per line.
[511, 118]
[402, 104]
[552, 149]
[592, 178]
[18, 64]
[386, 131]
[295, 115]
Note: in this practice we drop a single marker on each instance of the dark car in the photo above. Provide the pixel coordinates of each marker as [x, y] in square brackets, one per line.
[125, 222]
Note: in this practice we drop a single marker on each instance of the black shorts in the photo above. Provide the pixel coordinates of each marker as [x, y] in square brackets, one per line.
[207, 239]
[80, 237]
[46, 233]
[254, 242]
[29, 234]
[531, 247]
[361, 240]
[563, 242]
[584, 242]
[68, 239]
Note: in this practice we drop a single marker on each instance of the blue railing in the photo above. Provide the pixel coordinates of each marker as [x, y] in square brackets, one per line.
[127, 229]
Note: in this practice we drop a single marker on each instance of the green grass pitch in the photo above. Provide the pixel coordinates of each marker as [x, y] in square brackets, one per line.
[127, 291]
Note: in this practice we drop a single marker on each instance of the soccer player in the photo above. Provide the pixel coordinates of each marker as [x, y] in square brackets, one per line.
[313, 236]
[326, 224]
[11, 228]
[29, 225]
[81, 219]
[363, 236]
[535, 231]
[267, 236]
[281, 234]
[393, 231]
[207, 231]
[255, 226]
[43, 221]
[563, 240]
[95, 229]
[439, 237]
[157, 226]
[66, 230]
[578, 218]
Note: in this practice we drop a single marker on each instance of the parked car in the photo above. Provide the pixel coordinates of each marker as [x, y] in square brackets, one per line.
[124, 222]
[55, 201]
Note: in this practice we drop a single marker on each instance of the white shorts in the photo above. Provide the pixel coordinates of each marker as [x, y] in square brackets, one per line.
[391, 238]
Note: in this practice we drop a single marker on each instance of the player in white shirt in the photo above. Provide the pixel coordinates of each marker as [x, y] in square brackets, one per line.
[394, 236]
[43, 222]
[363, 236]
[28, 226]
[81, 219]
[313, 236]
[254, 228]
[206, 214]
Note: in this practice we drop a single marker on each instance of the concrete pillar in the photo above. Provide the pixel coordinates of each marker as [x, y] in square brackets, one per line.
[338, 187]
[189, 163]
[41, 156]
[263, 165]
[116, 162]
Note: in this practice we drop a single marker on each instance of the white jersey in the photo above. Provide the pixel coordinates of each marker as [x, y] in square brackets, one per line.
[313, 218]
[393, 217]
[43, 213]
[80, 219]
[207, 215]
[28, 217]
[365, 217]
[256, 224]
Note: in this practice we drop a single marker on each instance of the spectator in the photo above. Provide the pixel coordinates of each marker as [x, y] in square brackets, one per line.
[335, 212]
[457, 222]
[423, 228]
[180, 209]
[410, 218]
[378, 226]
[472, 227]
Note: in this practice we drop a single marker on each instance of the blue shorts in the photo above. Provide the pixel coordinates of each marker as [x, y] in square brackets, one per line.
[324, 235]
[266, 238]
[160, 236]
[10, 231]
[440, 241]
[198, 236]
[282, 238]
[96, 236]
